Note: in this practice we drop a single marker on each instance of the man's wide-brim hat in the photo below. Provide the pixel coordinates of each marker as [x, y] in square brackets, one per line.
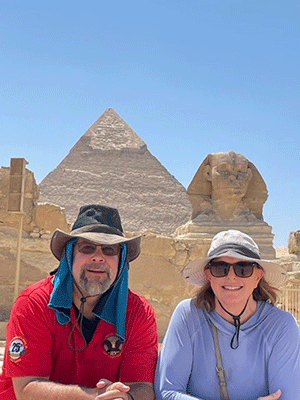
[233, 243]
[98, 224]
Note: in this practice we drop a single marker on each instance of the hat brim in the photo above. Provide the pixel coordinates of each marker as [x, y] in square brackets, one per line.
[60, 239]
[193, 273]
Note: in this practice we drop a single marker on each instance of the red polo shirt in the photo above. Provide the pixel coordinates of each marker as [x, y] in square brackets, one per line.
[37, 345]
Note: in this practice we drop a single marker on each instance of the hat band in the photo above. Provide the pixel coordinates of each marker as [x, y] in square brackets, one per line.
[100, 228]
[244, 251]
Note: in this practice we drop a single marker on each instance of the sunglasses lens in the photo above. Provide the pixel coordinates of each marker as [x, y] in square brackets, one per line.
[112, 250]
[219, 268]
[242, 269]
[90, 248]
[87, 248]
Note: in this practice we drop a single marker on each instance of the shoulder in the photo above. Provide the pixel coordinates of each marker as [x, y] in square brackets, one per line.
[35, 295]
[278, 324]
[188, 314]
[278, 315]
[138, 303]
[187, 308]
[140, 319]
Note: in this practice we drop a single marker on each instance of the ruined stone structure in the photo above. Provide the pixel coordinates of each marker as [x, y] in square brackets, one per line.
[31, 194]
[294, 242]
[228, 192]
[110, 164]
[39, 219]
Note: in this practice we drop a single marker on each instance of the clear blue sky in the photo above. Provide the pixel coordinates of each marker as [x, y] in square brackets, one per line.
[191, 77]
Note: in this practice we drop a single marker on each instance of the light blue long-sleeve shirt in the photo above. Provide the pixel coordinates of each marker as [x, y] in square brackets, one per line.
[267, 359]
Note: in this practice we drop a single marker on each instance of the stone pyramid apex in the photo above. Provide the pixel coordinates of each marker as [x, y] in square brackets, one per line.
[111, 132]
[111, 165]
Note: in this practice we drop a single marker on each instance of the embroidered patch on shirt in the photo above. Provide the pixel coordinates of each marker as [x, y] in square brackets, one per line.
[17, 348]
[113, 345]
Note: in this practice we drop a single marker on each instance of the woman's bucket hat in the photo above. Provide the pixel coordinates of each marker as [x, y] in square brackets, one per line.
[233, 243]
[98, 224]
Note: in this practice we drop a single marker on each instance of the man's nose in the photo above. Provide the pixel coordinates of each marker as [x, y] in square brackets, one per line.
[98, 254]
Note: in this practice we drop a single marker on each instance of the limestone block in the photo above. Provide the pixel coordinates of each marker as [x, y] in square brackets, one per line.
[294, 277]
[6, 298]
[294, 242]
[35, 235]
[36, 262]
[161, 283]
[281, 251]
[3, 326]
[182, 254]
[46, 236]
[31, 195]
[7, 232]
[156, 244]
[49, 217]
[198, 250]
[28, 273]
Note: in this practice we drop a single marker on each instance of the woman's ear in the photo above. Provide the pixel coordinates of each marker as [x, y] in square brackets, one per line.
[207, 274]
[259, 275]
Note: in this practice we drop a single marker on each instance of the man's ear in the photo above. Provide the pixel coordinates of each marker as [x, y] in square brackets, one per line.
[207, 172]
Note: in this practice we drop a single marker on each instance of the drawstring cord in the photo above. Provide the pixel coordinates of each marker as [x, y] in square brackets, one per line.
[237, 324]
[79, 319]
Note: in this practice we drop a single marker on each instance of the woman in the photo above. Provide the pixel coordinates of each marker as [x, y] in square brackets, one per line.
[259, 343]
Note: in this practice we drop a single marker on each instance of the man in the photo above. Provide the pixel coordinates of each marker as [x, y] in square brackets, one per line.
[81, 334]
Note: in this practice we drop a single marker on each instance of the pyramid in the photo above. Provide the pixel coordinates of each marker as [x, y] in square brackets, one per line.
[111, 165]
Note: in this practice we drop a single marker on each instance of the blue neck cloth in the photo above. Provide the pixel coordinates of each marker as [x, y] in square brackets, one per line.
[111, 306]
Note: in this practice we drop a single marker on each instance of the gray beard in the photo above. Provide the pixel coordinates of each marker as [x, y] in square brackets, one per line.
[95, 286]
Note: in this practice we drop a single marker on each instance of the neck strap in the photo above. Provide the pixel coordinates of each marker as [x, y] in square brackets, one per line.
[237, 324]
[79, 319]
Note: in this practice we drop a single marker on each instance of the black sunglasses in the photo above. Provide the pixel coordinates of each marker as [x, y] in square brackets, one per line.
[242, 269]
[91, 248]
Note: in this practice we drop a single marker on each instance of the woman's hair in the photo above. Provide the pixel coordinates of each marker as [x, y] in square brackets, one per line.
[205, 297]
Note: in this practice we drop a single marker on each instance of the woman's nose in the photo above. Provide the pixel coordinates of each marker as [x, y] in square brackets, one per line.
[231, 272]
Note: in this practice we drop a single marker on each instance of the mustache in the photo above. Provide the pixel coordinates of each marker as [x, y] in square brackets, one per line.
[99, 266]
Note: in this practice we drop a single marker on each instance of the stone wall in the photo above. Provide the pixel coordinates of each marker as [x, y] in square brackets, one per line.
[36, 261]
[41, 219]
[154, 274]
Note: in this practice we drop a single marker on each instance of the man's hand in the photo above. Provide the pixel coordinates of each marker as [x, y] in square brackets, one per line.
[273, 396]
[109, 390]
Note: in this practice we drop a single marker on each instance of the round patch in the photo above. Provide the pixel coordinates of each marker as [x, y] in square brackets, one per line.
[113, 345]
[17, 347]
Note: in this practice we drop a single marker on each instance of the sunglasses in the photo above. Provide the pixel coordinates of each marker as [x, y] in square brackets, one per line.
[91, 248]
[242, 269]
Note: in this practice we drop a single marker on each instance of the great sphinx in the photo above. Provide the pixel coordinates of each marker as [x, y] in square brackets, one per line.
[228, 192]
[227, 186]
